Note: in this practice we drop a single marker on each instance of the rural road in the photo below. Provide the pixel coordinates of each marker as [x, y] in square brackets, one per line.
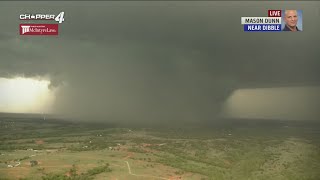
[129, 170]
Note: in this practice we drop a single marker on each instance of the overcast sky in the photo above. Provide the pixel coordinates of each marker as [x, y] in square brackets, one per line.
[154, 61]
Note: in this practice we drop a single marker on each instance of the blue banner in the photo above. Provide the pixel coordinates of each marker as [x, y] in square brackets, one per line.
[262, 27]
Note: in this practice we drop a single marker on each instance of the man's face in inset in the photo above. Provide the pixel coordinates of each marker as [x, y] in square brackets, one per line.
[291, 18]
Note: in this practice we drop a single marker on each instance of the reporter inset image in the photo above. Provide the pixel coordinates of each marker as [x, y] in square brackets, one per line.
[291, 20]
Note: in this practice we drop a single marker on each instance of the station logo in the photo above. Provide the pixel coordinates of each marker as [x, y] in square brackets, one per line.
[40, 29]
[58, 18]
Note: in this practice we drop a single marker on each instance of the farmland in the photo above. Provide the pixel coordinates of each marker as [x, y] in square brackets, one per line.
[70, 150]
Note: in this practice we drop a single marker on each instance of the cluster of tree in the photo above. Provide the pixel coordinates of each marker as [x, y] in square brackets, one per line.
[21, 159]
[19, 146]
[179, 172]
[136, 150]
[141, 140]
[98, 170]
[64, 177]
[73, 174]
[150, 165]
[89, 147]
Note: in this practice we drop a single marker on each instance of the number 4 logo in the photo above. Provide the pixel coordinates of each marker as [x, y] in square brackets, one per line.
[59, 18]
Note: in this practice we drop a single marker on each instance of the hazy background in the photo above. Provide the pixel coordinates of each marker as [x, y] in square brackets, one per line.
[167, 61]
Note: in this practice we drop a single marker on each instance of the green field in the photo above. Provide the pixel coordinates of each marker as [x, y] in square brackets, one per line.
[69, 150]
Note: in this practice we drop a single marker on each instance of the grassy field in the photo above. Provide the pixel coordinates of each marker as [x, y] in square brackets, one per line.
[68, 150]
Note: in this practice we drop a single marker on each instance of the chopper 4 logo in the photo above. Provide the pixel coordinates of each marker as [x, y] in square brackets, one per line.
[40, 29]
[59, 18]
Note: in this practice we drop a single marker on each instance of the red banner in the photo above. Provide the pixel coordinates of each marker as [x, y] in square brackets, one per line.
[39, 29]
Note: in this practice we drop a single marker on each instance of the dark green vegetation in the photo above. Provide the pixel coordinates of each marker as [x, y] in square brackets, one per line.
[70, 151]
[73, 175]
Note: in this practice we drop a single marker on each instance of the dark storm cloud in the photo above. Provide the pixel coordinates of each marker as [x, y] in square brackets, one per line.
[163, 60]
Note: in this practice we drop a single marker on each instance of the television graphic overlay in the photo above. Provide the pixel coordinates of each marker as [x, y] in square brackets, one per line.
[58, 18]
[291, 20]
[40, 29]
[277, 20]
